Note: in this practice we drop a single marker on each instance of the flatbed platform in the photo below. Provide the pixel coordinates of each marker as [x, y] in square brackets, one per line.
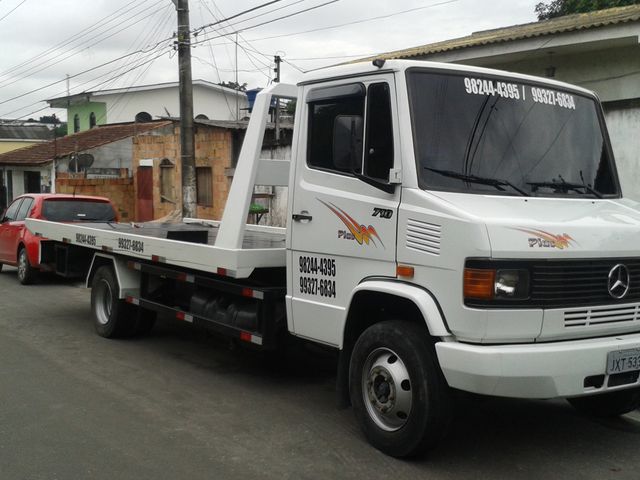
[189, 244]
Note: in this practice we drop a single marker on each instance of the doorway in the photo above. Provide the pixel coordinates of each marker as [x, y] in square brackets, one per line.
[31, 182]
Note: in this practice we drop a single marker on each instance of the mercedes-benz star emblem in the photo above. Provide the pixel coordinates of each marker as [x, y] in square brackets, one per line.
[619, 280]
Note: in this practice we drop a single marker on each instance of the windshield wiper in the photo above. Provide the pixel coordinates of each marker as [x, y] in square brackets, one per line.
[565, 186]
[494, 182]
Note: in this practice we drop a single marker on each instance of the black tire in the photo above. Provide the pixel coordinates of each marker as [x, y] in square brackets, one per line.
[394, 367]
[112, 317]
[26, 273]
[608, 404]
[1, 265]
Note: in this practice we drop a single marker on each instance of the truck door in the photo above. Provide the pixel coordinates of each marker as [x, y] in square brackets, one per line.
[343, 208]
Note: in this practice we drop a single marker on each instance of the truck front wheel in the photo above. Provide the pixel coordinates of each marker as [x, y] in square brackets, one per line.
[610, 404]
[398, 392]
[112, 317]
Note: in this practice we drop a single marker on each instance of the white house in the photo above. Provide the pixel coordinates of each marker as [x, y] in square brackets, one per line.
[599, 51]
[148, 102]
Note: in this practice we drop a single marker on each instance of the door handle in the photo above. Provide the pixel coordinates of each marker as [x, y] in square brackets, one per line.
[302, 216]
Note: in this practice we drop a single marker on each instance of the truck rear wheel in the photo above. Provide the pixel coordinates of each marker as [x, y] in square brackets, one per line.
[112, 317]
[398, 392]
[610, 404]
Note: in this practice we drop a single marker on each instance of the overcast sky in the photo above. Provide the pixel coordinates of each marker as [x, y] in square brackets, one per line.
[43, 41]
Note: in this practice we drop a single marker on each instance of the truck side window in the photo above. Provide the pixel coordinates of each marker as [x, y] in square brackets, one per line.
[378, 157]
[328, 115]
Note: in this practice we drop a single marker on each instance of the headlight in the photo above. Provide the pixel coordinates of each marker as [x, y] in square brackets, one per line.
[511, 284]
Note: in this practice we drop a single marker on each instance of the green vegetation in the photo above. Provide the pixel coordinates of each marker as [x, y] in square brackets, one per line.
[559, 8]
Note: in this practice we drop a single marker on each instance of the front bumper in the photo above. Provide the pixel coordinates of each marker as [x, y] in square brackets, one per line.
[544, 370]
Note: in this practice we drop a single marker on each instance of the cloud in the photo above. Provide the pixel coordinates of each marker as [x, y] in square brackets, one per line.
[108, 29]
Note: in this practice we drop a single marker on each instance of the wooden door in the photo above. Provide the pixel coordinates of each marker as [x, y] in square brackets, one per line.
[144, 189]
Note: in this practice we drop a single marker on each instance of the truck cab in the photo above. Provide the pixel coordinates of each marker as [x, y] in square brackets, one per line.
[478, 209]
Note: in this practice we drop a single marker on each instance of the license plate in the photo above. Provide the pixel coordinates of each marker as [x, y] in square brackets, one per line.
[623, 361]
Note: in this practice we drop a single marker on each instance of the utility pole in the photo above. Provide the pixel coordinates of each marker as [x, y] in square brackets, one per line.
[187, 137]
[237, 84]
[276, 70]
[277, 59]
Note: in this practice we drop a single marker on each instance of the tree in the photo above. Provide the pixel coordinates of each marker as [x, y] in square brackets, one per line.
[559, 8]
[234, 86]
[49, 119]
[61, 130]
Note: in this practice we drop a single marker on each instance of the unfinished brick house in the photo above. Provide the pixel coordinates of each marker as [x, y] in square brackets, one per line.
[157, 168]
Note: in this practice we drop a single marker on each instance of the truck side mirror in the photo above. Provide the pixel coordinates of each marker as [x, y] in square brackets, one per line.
[347, 142]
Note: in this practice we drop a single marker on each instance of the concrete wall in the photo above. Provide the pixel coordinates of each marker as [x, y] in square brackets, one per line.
[624, 129]
[119, 190]
[112, 155]
[165, 102]
[84, 112]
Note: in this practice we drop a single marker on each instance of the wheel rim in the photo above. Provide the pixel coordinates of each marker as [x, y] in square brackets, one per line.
[386, 389]
[22, 264]
[103, 303]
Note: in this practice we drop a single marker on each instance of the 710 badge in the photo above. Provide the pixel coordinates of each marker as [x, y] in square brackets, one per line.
[320, 273]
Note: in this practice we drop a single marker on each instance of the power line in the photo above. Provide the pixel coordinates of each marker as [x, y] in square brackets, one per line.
[31, 71]
[251, 59]
[154, 34]
[12, 10]
[263, 13]
[380, 17]
[140, 63]
[70, 39]
[72, 76]
[278, 18]
[334, 57]
[199, 29]
[141, 75]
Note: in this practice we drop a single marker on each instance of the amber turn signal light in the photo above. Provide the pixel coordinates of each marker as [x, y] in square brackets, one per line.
[479, 283]
[404, 271]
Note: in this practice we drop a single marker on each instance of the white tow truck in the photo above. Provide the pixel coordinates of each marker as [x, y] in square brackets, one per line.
[449, 228]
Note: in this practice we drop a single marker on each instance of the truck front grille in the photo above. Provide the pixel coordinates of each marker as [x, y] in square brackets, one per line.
[581, 282]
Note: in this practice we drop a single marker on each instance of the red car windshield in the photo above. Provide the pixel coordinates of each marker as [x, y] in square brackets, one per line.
[77, 210]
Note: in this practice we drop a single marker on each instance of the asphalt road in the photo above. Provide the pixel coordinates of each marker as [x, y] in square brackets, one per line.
[181, 405]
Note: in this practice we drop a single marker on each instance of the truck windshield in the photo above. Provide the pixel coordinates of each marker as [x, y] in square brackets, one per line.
[77, 210]
[485, 134]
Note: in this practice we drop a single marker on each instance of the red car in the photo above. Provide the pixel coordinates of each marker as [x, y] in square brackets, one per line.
[19, 247]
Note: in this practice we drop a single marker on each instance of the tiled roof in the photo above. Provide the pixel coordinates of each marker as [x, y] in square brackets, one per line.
[25, 132]
[568, 23]
[78, 142]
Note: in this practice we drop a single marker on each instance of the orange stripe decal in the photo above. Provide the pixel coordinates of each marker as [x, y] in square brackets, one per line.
[361, 233]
